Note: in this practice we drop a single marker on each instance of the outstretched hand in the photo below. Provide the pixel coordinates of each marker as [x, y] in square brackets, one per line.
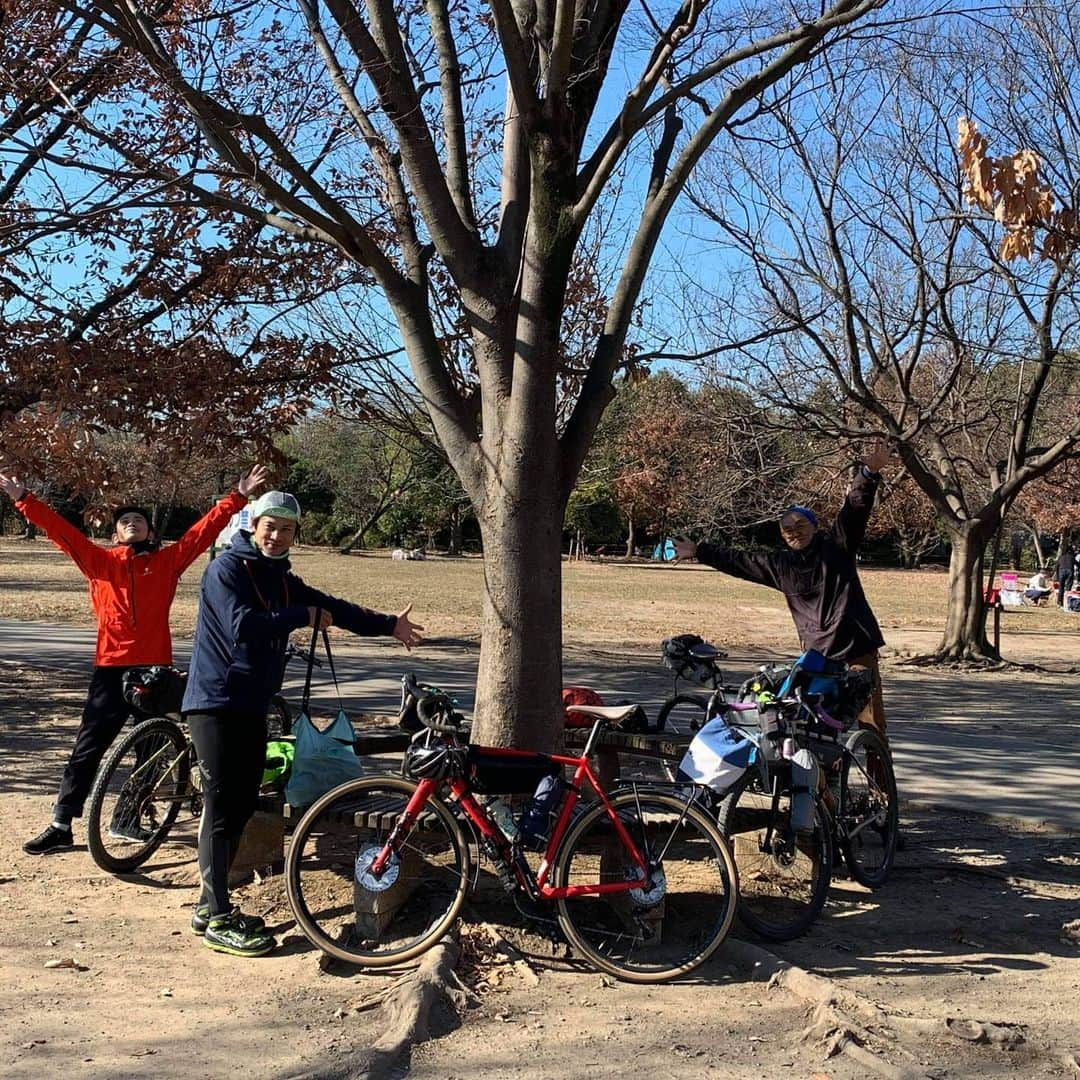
[685, 549]
[252, 480]
[11, 486]
[878, 458]
[410, 634]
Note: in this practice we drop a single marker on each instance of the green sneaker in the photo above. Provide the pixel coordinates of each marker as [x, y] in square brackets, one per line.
[200, 920]
[225, 934]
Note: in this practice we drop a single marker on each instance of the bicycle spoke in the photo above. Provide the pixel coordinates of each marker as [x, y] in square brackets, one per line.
[358, 915]
[653, 932]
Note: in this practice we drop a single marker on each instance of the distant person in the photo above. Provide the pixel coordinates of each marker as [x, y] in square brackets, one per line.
[132, 586]
[1038, 587]
[249, 603]
[816, 571]
[1064, 572]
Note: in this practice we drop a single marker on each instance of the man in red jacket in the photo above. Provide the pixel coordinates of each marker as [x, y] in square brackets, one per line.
[132, 586]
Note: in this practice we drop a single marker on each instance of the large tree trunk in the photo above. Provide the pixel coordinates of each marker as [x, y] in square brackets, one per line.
[521, 523]
[520, 671]
[965, 626]
[630, 536]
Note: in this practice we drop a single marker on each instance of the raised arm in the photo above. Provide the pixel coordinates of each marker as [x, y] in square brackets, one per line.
[83, 552]
[202, 534]
[851, 522]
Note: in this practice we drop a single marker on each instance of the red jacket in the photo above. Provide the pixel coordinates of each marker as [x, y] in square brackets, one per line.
[131, 593]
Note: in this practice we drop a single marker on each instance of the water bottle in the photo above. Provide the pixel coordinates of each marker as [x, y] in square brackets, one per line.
[536, 820]
[804, 785]
[503, 817]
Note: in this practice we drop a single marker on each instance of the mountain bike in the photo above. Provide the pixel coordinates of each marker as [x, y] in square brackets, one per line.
[640, 882]
[152, 773]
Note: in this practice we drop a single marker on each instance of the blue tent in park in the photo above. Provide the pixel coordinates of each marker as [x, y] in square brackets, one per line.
[664, 551]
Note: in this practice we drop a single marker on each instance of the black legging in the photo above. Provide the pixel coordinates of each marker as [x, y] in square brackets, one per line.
[102, 720]
[1065, 582]
[232, 757]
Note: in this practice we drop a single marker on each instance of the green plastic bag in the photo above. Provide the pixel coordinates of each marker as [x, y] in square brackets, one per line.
[279, 759]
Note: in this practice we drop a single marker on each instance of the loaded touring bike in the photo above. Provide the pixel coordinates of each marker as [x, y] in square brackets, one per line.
[786, 854]
[151, 774]
[639, 880]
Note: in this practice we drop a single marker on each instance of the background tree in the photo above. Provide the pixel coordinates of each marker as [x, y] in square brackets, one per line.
[862, 267]
[651, 453]
[366, 466]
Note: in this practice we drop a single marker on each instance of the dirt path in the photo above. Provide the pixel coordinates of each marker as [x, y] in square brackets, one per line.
[968, 928]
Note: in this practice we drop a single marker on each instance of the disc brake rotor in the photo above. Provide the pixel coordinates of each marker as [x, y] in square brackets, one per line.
[653, 893]
[366, 879]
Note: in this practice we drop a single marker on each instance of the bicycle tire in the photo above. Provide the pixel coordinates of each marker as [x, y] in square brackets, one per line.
[647, 938]
[338, 911]
[783, 890]
[681, 712]
[871, 812]
[278, 718]
[123, 786]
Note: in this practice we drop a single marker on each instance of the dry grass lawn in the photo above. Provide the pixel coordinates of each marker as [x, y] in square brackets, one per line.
[607, 603]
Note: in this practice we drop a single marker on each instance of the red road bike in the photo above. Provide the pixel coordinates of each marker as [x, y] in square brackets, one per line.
[640, 881]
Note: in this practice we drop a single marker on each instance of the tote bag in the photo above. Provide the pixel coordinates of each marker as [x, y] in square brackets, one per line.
[322, 759]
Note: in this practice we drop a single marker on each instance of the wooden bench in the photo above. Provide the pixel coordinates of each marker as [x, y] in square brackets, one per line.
[613, 744]
[381, 815]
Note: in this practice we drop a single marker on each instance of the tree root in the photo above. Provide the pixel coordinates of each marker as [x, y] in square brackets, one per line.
[845, 1022]
[420, 1004]
[949, 662]
[956, 663]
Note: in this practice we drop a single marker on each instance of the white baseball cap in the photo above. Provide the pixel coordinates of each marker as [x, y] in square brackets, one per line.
[279, 504]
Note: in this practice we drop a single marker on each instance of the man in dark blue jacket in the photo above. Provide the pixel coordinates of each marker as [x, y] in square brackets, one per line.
[249, 603]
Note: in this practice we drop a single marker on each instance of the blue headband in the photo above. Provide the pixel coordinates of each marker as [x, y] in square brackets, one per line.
[803, 511]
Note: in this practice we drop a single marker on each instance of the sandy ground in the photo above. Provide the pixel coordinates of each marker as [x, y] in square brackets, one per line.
[968, 927]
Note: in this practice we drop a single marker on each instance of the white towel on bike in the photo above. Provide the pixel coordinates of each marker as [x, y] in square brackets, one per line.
[718, 755]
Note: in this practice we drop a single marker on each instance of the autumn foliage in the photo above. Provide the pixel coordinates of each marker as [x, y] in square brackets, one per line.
[1012, 188]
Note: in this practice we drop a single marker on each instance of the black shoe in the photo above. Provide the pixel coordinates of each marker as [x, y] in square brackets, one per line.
[200, 920]
[226, 934]
[52, 839]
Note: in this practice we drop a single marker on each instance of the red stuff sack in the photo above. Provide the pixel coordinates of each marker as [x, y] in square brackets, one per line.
[579, 695]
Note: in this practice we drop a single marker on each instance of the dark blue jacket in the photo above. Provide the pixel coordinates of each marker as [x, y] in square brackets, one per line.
[248, 606]
[820, 583]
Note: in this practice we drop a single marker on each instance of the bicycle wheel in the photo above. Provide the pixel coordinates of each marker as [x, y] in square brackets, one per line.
[783, 877]
[137, 794]
[682, 713]
[870, 814]
[341, 907]
[278, 718]
[652, 934]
